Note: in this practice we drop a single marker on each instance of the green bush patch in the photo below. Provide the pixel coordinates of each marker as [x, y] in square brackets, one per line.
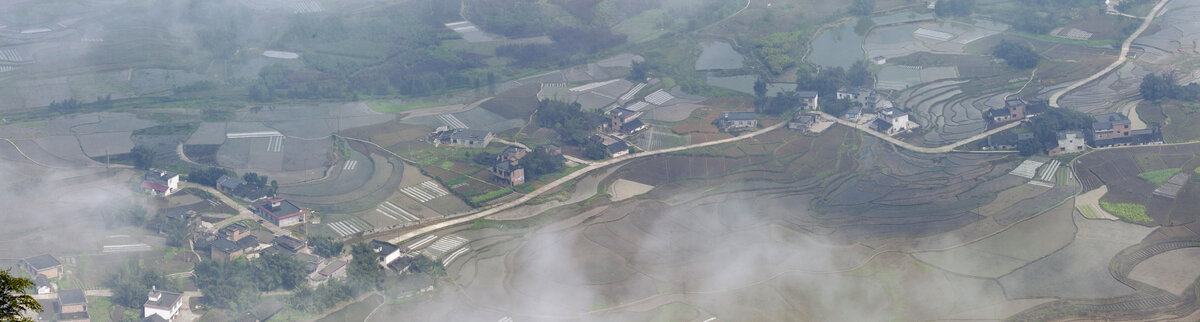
[1128, 211]
[1159, 177]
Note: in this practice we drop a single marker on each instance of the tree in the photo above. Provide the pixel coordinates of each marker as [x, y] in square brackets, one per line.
[364, 270]
[208, 176]
[130, 284]
[781, 103]
[1015, 54]
[1029, 147]
[326, 246]
[638, 74]
[595, 151]
[858, 75]
[863, 7]
[538, 163]
[178, 232]
[275, 271]
[760, 88]
[423, 264]
[143, 157]
[13, 300]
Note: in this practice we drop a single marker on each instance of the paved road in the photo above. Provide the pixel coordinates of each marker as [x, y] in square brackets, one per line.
[1120, 59]
[568, 178]
[941, 149]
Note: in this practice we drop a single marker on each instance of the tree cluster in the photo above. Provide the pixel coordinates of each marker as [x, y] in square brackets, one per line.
[178, 232]
[1042, 16]
[208, 176]
[595, 151]
[572, 123]
[129, 285]
[72, 105]
[569, 43]
[237, 284]
[364, 270]
[863, 8]
[961, 8]
[326, 246]
[423, 264]
[1045, 128]
[143, 157]
[325, 296]
[539, 163]
[1015, 54]
[260, 181]
[1155, 87]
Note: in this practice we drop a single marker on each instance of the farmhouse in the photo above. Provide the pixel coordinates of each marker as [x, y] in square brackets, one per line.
[1110, 126]
[808, 100]
[853, 93]
[280, 212]
[891, 121]
[619, 116]
[160, 182]
[879, 60]
[633, 127]
[388, 252]
[165, 305]
[737, 121]
[801, 122]
[73, 302]
[507, 167]
[223, 249]
[509, 171]
[853, 113]
[43, 264]
[511, 153]
[467, 138]
[614, 146]
[234, 231]
[292, 245]
[1136, 137]
[228, 184]
[42, 285]
[1068, 142]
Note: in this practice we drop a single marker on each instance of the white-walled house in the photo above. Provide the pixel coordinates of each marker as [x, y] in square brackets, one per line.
[164, 304]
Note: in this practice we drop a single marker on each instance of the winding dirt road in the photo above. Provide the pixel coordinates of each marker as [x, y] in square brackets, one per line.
[1120, 59]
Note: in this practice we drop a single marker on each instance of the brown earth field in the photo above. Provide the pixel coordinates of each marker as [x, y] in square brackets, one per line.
[517, 103]
[1118, 169]
[768, 230]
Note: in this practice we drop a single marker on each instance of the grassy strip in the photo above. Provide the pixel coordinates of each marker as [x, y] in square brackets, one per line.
[169, 129]
[490, 195]
[1159, 177]
[1128, 211]
[392, 107]
[1088, 212]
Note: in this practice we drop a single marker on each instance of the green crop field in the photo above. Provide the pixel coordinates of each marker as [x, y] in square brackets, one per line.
[1159, 177]
[1127, 211]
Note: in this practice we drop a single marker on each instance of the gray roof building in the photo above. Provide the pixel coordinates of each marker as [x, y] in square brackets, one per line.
[71, 297]
[43, 261]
